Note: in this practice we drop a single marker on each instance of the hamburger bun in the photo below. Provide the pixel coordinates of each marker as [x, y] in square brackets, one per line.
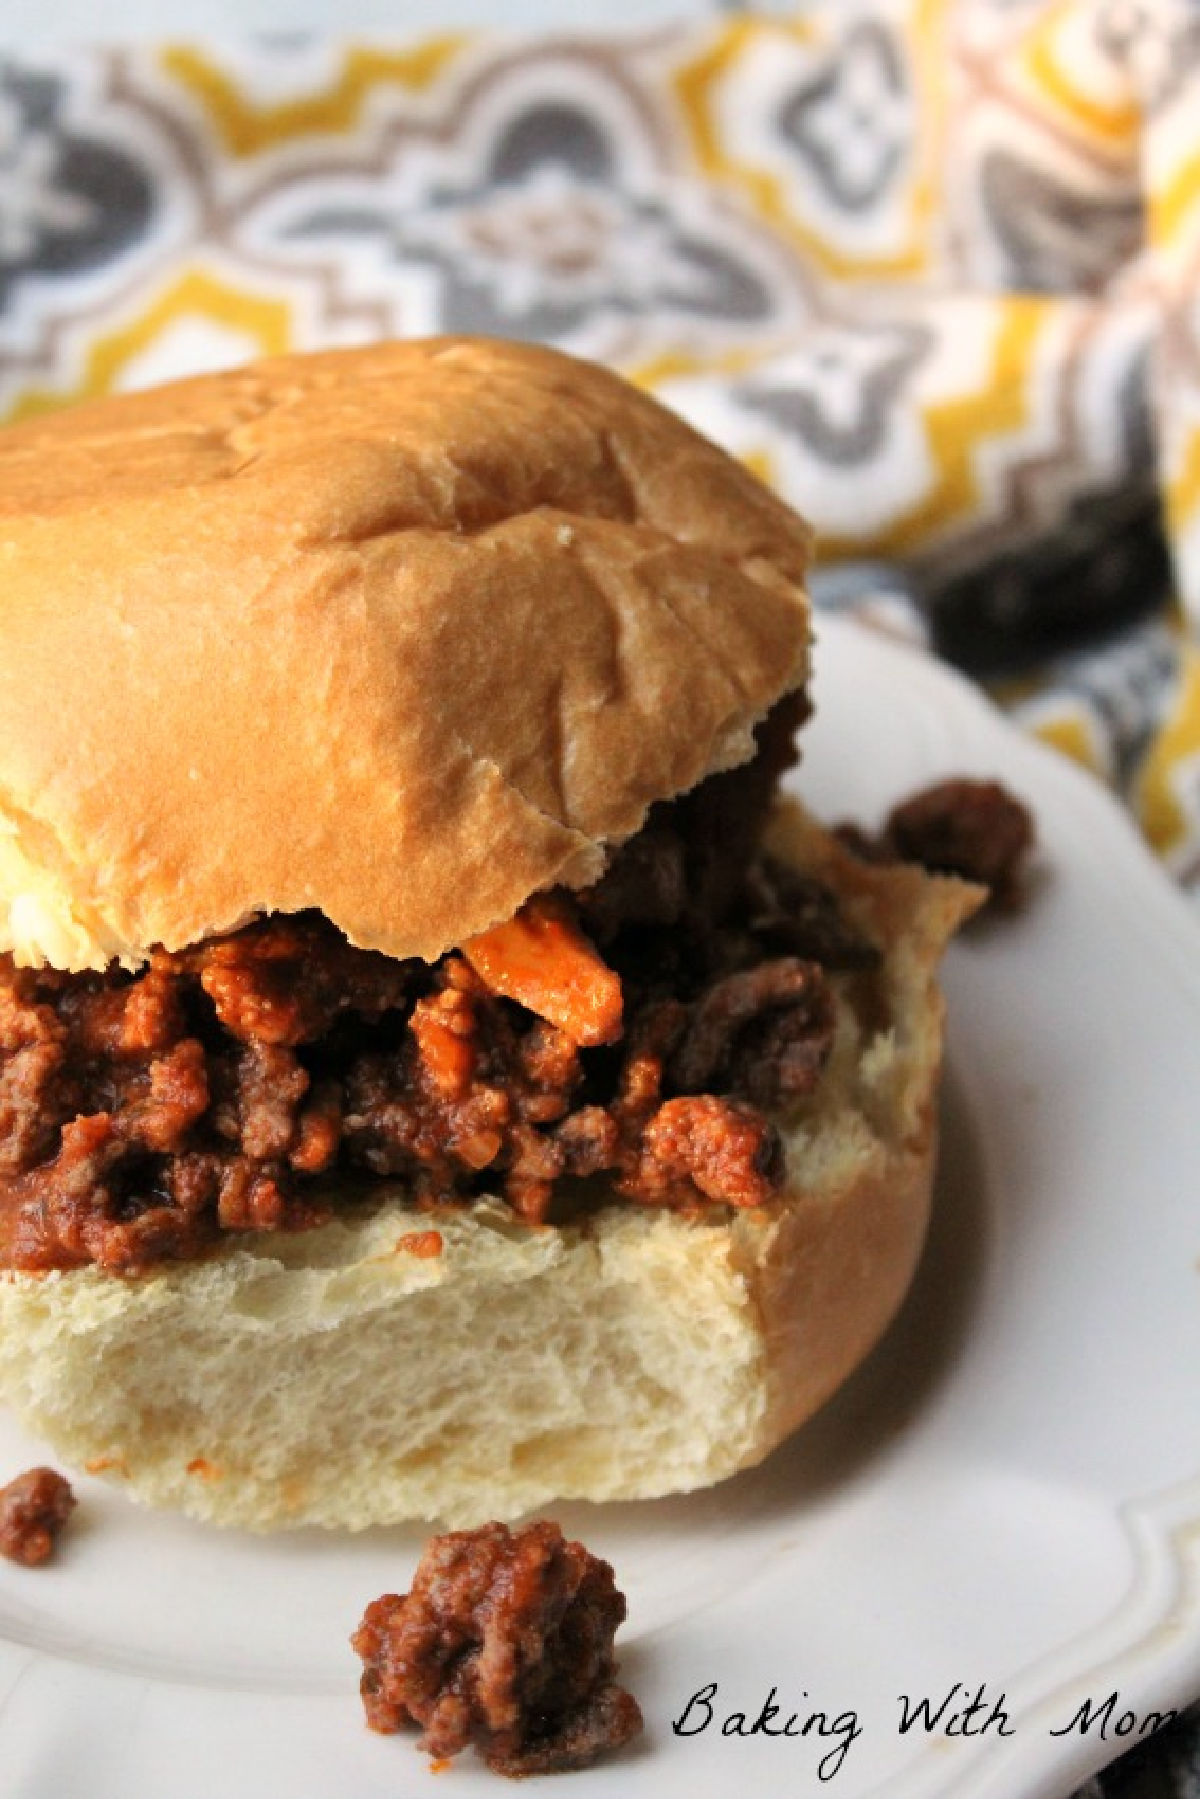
[344, 1377]
[403, 634]
[406, 635]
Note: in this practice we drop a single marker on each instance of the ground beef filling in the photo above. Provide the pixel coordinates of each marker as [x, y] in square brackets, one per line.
[640, 1031]
[504, 1643]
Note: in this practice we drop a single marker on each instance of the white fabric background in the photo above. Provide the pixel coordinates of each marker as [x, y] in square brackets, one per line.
[31, 24]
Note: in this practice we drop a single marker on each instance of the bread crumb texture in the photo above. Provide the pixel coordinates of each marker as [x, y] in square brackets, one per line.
[333, 1382]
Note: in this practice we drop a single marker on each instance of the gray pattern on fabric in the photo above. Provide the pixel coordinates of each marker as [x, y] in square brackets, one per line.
[1055, 239]
[68, 201]
[1158, 39]
[549, 235]
[853, 123]
[837, 394]
[540, 200]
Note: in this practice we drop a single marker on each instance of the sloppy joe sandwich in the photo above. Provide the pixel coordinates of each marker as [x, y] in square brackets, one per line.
[438, 1074]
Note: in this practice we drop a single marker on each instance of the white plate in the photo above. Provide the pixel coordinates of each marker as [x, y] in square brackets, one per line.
[1007, 1495]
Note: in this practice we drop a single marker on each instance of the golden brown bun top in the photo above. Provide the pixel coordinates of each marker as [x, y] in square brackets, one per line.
[402, 633]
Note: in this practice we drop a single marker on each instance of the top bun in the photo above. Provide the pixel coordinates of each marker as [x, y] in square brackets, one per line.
[402, 633]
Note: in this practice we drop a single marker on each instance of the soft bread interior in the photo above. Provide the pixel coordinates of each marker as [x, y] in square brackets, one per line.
[344, 1378]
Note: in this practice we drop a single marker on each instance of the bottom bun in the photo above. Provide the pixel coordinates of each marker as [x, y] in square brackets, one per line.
[343, 1377]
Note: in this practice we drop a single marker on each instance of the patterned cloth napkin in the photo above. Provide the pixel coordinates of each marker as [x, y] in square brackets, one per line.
[930, 266]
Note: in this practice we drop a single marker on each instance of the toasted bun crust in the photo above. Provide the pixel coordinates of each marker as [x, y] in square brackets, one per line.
[402, 633]
[335, 1377]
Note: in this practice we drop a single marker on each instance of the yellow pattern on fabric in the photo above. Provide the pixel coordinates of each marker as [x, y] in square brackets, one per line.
[195, 293]
[1183, 488]
[1167, 208]
[760, 464]
[1115, 124]
[694, 84]
[956, 429]
[1071, 735]
[245, 128]
[1164, 820]
[674, 365]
